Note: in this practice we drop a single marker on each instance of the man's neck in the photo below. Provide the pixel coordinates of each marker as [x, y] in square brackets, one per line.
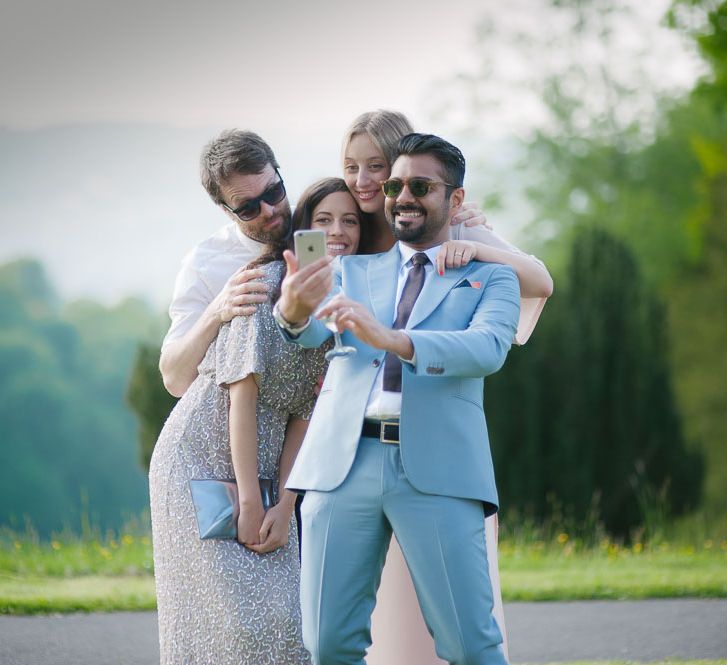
[247, 240]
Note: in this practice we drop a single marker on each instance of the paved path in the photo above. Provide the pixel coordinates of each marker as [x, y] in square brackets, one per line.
[539, 633]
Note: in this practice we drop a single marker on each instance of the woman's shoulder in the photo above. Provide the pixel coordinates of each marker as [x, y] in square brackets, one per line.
[273, 272]
[273, 267]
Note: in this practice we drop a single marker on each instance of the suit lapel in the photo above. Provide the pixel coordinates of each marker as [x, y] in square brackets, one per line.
[382, 276]
[434, 291]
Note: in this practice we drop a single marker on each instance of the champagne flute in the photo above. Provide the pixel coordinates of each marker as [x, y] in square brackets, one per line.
[339, 350]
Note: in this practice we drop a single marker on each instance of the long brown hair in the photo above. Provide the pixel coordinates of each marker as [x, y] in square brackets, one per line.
[311, 197]
[303, 218]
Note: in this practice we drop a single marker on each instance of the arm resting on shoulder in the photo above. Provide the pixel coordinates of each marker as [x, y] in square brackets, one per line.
[194, 302]
[535, 280]
[181, 357]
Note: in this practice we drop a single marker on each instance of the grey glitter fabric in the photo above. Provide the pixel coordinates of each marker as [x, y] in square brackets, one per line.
[219, 602]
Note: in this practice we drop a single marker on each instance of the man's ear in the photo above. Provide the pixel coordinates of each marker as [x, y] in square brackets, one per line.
[456, 199]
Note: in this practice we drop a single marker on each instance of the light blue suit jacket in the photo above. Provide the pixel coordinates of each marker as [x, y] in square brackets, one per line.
[462, 326]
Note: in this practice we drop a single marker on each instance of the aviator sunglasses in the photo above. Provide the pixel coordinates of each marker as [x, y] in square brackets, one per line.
[419, 187]
[251, 208]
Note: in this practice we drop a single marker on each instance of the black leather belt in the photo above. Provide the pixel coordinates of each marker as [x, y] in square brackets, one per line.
[386, 431]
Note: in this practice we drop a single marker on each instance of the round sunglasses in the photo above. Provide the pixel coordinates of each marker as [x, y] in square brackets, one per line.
[419, 187]
[251, 208]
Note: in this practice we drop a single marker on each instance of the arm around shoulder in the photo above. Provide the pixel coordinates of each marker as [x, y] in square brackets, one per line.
[534, 278]
[180, 357]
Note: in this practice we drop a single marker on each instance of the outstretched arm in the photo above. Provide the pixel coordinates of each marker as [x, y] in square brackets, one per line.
[301, 292]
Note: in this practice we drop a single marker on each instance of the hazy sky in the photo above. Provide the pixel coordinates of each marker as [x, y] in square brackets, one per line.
[269, 64]
[107, 104]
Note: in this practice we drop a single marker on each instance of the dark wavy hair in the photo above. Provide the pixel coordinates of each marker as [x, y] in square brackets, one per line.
[311, 197]
[448, 155]
[302, 219]
[233, 151]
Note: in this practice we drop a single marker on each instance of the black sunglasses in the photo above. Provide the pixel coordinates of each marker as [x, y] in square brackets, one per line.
[419, 187]
[251, 208]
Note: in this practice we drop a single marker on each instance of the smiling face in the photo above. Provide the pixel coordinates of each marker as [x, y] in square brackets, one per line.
[273, 222]
[338, 215]
[364, 169]
[421, 222]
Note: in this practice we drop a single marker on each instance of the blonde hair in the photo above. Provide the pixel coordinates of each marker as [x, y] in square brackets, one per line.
[383, 127]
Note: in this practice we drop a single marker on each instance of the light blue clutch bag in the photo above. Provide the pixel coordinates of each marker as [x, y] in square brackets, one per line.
[217, 506]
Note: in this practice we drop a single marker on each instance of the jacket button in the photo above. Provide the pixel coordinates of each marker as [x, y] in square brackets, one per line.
[376, 362]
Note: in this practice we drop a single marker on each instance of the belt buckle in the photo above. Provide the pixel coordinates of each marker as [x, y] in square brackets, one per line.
[382, 434]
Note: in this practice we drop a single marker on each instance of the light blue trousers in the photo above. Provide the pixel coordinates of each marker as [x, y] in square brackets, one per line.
[346, 534]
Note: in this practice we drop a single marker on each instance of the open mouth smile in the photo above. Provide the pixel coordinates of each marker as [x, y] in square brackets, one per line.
[405, 215]
[335, 248]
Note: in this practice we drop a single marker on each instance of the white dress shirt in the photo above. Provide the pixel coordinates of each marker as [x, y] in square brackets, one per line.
[204, 272]
[384, 404]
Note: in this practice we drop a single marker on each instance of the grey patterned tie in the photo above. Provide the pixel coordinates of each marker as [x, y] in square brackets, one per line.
[412, 288]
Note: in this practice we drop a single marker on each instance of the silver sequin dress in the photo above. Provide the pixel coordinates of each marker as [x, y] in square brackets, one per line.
[219, 602]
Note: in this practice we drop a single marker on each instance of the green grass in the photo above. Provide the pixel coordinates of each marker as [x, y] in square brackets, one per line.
[91, 593]
[610, 571]
[114, 571]
[68, 573]
[67, 556]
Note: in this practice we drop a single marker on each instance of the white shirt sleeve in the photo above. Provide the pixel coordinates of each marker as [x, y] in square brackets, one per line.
[530, 308]
[191, 297]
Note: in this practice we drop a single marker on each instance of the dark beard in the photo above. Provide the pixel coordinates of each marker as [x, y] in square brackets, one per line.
[274, 236]
[408, 235]
[423, 233]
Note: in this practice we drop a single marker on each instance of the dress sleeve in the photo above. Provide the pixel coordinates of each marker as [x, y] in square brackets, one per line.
[530, 308]
[240, 350]
[316, 367]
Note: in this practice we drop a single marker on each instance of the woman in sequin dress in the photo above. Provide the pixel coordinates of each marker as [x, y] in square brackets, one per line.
[220, 602]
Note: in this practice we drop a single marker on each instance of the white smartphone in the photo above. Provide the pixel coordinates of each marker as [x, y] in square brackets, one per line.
[309, 246]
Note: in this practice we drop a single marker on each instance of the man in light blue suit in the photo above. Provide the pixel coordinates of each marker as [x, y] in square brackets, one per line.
[398, 440]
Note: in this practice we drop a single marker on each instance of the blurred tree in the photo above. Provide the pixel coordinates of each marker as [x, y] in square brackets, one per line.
[600, 421]
[664, 192]
[619, 142]
[148, 398]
